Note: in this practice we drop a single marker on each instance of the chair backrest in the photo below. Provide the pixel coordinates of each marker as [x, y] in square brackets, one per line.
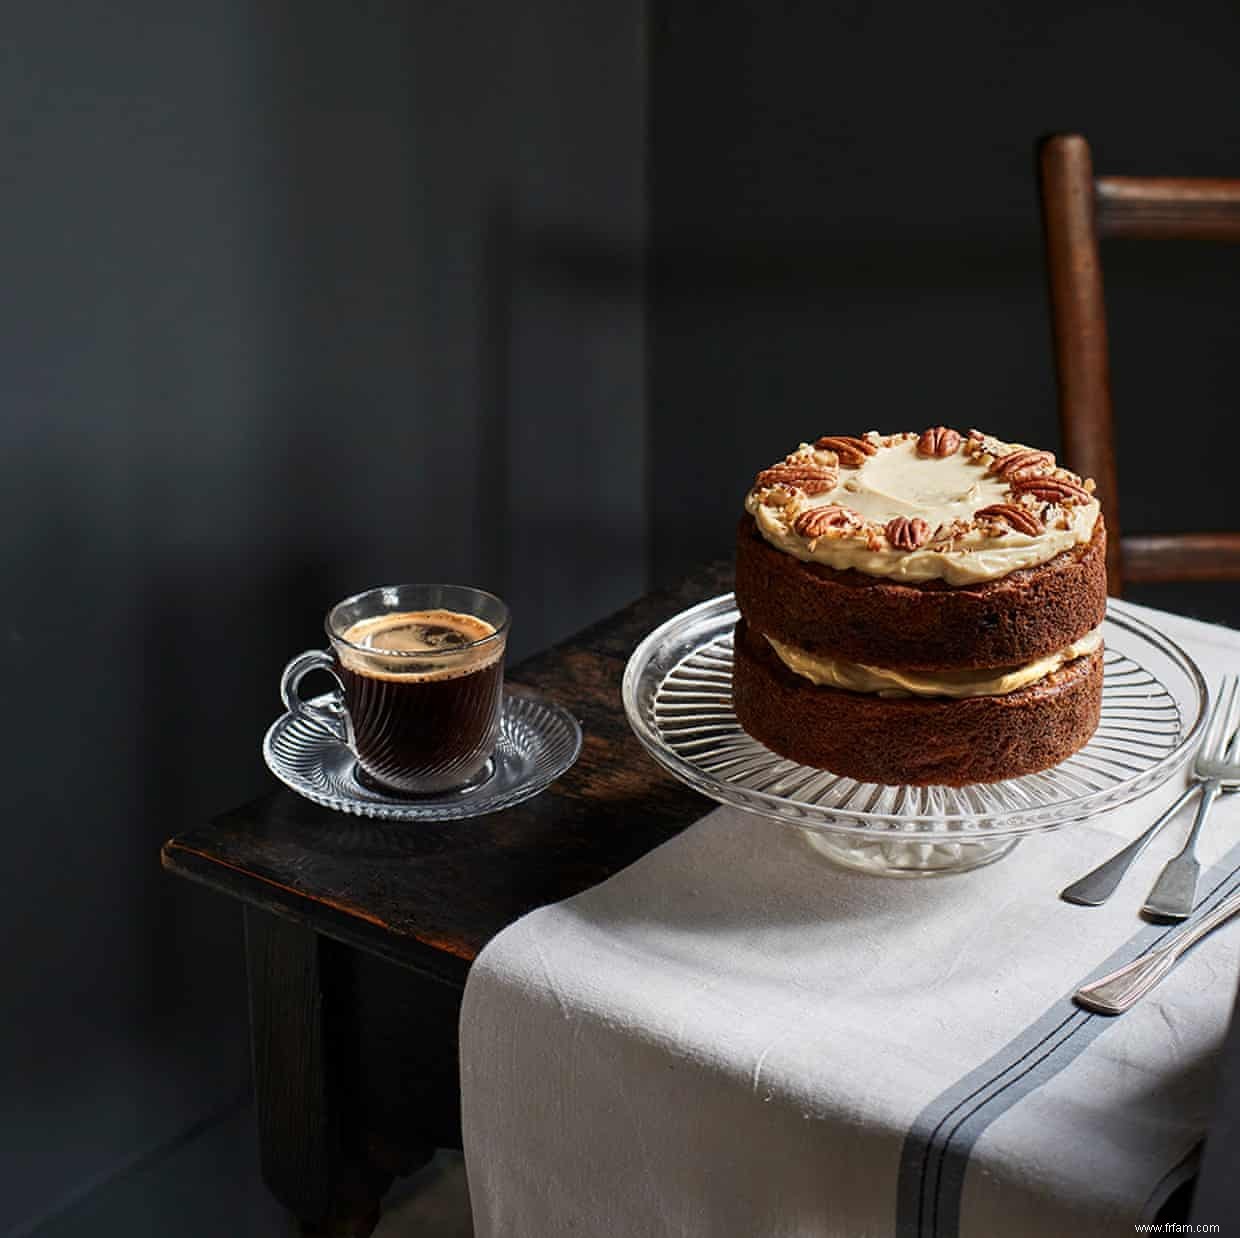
[1077, 210]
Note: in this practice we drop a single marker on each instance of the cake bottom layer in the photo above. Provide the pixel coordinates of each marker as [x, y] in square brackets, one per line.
[914, 740]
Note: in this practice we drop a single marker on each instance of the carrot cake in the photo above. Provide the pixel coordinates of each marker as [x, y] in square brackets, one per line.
[920, 608]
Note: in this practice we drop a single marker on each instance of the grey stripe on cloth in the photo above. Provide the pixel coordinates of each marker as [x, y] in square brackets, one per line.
[936, 1150]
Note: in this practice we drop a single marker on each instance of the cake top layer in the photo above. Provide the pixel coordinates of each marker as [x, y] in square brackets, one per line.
[927, 506]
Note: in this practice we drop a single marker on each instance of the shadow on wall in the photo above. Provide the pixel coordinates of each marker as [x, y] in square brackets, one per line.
[275, 333]
[513, 453]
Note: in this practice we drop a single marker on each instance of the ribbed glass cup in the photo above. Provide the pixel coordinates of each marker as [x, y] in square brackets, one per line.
[419, 722]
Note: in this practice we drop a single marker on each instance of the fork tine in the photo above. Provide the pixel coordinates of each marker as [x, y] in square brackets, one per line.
[1209, 737]
[1219, 733]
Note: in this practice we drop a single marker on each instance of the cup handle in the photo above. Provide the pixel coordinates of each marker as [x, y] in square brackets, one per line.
[330, 716]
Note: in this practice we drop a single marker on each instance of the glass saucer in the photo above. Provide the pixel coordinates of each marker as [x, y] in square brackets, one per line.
[678, 698]
[538, 741]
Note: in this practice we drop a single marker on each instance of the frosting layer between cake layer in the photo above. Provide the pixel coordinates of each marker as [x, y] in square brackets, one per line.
[832, 672]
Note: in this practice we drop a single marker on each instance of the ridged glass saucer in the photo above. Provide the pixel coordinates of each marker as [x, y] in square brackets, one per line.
[678, 698]
[538, 741]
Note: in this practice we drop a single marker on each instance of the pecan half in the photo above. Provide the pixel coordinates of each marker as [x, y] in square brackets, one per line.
[906, 534]
[810, 478]
[851, 451]
[1051, 489]
[817, 521]
[1020, 463]
[938, 441]
[1019, 518]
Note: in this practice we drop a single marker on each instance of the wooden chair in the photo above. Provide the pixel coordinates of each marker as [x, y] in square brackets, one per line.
[1078, 209]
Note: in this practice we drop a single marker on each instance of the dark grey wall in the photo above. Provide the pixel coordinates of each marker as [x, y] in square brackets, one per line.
[845, 236]
[298, 298]
[301, 297]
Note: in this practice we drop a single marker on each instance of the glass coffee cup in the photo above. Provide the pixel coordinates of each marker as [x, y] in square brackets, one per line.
[421, 672]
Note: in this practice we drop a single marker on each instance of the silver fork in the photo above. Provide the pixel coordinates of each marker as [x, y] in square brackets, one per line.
[1173, 893]
[1100, 883]
[1097, 885]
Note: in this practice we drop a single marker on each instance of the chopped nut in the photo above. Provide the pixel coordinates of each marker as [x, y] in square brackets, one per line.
[983, 447]
[781, 496]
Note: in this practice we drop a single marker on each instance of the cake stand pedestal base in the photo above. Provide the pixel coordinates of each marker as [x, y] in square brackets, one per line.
[905, 857]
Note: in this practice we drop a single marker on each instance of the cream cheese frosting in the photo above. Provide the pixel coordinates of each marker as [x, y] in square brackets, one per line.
[946, 492]
[856, 677]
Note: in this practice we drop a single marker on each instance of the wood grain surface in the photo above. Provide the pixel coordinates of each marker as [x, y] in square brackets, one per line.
[1079, 327]
[1077, 209]
[1172, 207]
[1155, 557]
[428, 896]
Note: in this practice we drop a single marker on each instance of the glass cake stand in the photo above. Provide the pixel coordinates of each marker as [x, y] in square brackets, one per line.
[678, 698]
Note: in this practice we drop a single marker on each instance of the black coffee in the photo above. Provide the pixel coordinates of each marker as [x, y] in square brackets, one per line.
[422, 724]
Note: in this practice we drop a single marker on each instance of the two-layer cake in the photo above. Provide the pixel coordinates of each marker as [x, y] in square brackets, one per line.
[920, 608]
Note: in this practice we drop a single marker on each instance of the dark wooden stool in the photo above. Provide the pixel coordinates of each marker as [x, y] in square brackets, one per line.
[359, 934]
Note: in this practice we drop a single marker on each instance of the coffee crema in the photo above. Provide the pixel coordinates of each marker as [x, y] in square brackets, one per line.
[449, 638]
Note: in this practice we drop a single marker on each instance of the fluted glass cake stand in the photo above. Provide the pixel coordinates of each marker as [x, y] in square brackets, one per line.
[678, 697]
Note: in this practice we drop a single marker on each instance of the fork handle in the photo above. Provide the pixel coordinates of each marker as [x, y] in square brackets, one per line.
[1117, 991]
[1209, 789]
[1100, 883]
[1174, 892]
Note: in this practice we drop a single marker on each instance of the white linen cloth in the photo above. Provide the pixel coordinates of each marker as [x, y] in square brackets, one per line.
[732, 1037]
